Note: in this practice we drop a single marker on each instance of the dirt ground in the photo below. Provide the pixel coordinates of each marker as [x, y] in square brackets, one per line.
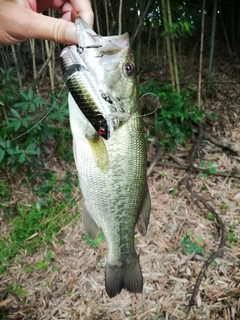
[75, 288]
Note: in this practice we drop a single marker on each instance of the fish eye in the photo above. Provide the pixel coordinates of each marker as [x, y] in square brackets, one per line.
[128, 68]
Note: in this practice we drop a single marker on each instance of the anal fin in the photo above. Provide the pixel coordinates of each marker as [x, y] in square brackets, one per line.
[89, 224]
[144, 215]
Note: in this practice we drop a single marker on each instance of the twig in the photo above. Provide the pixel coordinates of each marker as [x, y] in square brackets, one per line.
[220, 222]
[224, 144]
[196, 169]
[220, 251]
[196, 146]
[182, 166]
[155, 160]
[37, 79]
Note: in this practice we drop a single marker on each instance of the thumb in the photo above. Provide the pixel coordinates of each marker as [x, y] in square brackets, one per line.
[48, 28]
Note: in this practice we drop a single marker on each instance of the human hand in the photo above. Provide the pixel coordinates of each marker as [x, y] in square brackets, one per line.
[21, 20]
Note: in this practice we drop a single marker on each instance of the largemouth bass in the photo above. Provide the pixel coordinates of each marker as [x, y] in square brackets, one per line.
[112, 170]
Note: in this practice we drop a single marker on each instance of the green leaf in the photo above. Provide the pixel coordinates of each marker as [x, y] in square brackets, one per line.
[17, 125]
[24, 95]
[209, 164]
[209, 216]
[17, 150]
[10, 151]
[25, 123]
[32, 150]
[32, 106]
[22, 105]
[201, 164]
[22, 157]
[2, 154]
[2, 143]
[38, 100]
[15, 113]
[213, 170]
[30, 94]
[31, 146]
[64, 105]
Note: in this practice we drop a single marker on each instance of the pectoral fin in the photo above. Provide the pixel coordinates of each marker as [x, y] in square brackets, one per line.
[89, 224]
[145, 209]
[99, 151]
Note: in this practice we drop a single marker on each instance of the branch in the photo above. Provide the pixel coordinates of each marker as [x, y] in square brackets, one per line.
[195, 169]
[155, 160]
[222, 143]
[220, 251]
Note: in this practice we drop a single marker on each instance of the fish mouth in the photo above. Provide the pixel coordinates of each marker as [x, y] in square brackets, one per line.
[83, 67]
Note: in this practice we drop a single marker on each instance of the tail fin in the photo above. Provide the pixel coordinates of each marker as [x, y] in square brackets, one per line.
[127, 277]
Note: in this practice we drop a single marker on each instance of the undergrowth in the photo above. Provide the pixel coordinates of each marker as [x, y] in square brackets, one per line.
[28, 138]
[22, 115]
[176, 114]
[36, 223]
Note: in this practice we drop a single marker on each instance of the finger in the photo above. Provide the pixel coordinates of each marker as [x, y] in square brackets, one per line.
[49, 4]
[67, 11]
[39, 26]
[58, 30]
[83, 9]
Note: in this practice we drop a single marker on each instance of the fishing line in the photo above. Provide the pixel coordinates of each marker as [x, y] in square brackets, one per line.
[35, 125]
[48, 112]
[158, 105]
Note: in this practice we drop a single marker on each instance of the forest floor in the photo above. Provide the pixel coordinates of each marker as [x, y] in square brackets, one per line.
[181, 236]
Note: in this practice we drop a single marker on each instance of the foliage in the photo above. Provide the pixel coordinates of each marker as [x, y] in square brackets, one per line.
[43, 264]
[209, 166]
[189, 246]
[8, 85]
[179, 29]
[37, 223]
[96, 241]
[210, 216]
[16, 289]
[24, 139]
[177, 112]
[231, 237]
[223, 206]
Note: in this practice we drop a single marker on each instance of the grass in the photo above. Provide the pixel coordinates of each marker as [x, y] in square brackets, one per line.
[16, 289]
[36, 223]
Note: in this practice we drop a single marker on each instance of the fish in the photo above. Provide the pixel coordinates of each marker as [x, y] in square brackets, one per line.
[111, 169]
